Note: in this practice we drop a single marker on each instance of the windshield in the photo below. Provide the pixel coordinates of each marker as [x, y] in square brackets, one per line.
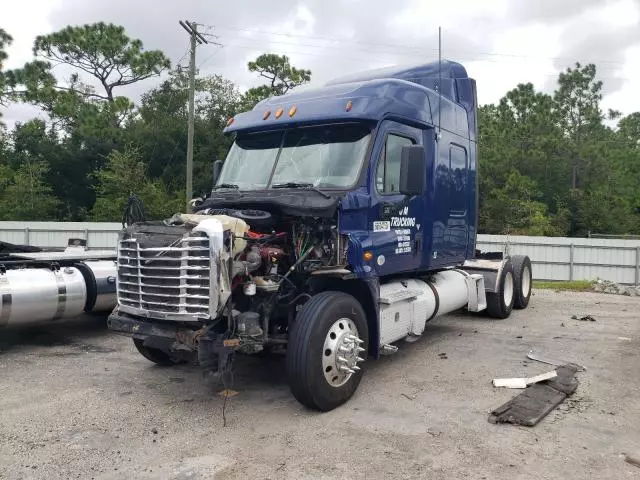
[326, 156]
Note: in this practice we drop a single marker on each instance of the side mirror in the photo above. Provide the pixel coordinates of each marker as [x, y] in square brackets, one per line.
[217, 168]
[413, 170]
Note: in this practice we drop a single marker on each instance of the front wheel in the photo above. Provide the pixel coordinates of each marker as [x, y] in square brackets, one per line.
[327, 341]
[155, 355]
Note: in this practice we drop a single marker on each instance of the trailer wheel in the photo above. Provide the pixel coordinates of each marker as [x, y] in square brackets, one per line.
[155, 355]
[500, 303]
[326, 342]
[523, 277]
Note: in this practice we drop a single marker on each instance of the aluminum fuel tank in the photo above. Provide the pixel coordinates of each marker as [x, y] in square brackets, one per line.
[100, 277]
[35, 295]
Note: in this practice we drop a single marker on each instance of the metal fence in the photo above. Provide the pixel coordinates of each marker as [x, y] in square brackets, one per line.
[554, 258]
[559, 258]
[99, 235]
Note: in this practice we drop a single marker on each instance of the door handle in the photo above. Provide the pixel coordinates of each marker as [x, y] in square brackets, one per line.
[417, 243]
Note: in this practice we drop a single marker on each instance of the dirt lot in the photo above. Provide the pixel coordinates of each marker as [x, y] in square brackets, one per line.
[79, 402]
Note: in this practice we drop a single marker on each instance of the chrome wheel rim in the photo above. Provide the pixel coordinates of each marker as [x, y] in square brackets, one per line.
[341, 352]
[508, 288]
[526, 282]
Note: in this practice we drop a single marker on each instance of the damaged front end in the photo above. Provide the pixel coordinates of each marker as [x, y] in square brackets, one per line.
[170, 272]
[199, 287]
[173, 285]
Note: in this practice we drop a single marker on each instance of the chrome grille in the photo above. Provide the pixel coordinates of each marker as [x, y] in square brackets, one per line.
[167, 282]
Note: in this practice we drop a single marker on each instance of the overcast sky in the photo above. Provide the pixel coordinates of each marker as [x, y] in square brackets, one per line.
[501, 42]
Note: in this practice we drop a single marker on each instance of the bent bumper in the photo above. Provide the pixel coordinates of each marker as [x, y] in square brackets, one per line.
[166, 336]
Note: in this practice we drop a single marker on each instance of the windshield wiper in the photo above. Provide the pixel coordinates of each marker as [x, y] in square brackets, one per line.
[227, 185]
[306, 186]
[292, 185]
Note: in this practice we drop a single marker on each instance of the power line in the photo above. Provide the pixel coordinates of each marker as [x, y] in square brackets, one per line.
[186, 52]
[155, 145]
[405, 47]
[470, 58]
[311, 54]
[261, 47]
[325, 47]
[177, 97]
[210, 56]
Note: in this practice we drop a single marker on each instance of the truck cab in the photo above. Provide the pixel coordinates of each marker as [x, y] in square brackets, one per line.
[348, 139]
[343, 219]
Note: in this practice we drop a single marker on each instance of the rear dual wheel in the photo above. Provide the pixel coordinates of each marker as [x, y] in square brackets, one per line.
[523, 279]
[513, 288]
[500, 302]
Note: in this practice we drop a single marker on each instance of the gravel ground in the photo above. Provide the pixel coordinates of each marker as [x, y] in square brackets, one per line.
[79, 402]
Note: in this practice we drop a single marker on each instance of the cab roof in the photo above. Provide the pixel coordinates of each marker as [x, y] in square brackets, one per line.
[407, 93]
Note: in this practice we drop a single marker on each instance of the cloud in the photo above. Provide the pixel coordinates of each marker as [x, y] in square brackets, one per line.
[20, 112]
[502, 42]
[594, 31]
[551, 11]
[327, 37]
[156, 23]
[607, 49]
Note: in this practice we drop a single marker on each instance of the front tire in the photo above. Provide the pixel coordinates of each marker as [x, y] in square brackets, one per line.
[155, 355]
[327, 340]
[500, 302]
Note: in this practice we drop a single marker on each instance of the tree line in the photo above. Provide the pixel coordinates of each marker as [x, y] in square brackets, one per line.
[550, 164]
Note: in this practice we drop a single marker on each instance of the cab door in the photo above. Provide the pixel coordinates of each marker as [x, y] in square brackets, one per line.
[458, 203]
[397, 223]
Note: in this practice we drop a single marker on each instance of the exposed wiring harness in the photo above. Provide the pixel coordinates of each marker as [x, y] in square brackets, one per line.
[302, 244]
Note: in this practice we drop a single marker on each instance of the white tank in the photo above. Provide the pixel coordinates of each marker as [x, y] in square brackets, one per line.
[406, 305]
[452, 290]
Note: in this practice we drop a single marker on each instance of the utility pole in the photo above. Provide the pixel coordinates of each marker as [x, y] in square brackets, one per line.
[196, 38]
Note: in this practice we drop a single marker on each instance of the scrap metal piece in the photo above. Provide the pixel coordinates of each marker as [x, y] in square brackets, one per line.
[388, 349]
[632, 460]
[541, 357]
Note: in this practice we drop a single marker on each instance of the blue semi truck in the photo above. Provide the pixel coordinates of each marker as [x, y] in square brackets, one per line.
[342, 221]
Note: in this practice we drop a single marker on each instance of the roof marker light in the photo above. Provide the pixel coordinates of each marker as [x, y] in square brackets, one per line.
[266, 114]
[230, 121]
[349, 106]
[292, 111]
[279, 112]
